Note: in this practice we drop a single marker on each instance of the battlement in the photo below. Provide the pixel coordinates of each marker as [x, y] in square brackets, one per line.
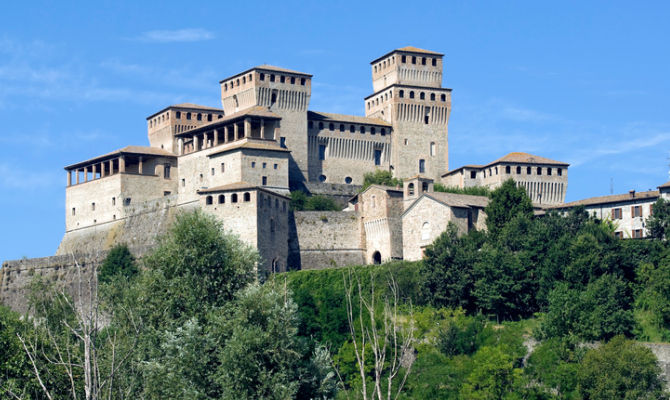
[407, 66]
[163, 125]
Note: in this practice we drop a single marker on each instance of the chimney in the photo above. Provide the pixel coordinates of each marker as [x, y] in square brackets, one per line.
[632, 193]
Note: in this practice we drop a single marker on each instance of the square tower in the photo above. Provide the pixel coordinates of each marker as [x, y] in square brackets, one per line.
[409, 95]
[284, 92]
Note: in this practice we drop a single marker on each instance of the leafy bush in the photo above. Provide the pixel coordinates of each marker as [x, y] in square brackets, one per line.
[300, 201]
[472, 190]
[380, 177]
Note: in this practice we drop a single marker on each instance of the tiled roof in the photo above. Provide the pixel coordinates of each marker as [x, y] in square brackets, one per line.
[519, 157]
[665, 185]
[474, 166]
[459, 200]
[322, 116]
[615, 198]
[266, 67]
[139, 150]
[256, 111]
[186, 106]
[417, 50]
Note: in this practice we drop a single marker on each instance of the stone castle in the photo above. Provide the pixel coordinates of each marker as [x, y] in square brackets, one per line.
[241, 161]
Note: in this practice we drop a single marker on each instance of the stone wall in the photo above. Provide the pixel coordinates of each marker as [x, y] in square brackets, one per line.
[327, 239]
[340, 193]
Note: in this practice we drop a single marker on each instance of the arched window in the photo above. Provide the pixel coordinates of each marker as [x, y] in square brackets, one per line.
[411, 94]
[432, 96]
[377, 258]
[401, 94]
[539, 170]
[425, 231]
[375, 69]
[413, 59]
[244, 79]
[403, 59]
[222, 199]
[422, 96]
[434, 61]
[410, 189]
[518, 170]
[372, 130]
[302, 81]
[208, 200]
[272, 77]
[282, 79]
[199, 117]
[262, 76]
[508, 169]
[320, 125]
[528, 172]
[188, 115]
[548, 171]
[293, 80]
[352, 128]
[362, 129]
[233, 198]
[443, 97]
[178, 115]
[383, 132]
[423, 61]
[331, 127]
[341, 127]
[247, 196]
[276, 203]
[209, 117]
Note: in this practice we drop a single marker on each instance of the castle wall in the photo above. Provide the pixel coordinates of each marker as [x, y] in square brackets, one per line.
[409, 68]
[381, 210]
[258, 164]
[340, 193]
[329, 238]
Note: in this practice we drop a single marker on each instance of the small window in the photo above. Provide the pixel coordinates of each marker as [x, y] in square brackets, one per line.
[209, 117]
[518, 170]
[212, 171]
[282, 79]
[432, 148]
[496, 169]
[424, 186]
[253, 164]
[208, 200]
[223, 167]
[166, 171]
[233, 198]
[372, 130]
[320, 125]
[423, 61]
[264, 181]
[382, 132]
[282, 142]
[347, 180]
[126, 201]
[322, 178]
[539, 170]
[265, 165]
[341, 127]
[413, 59]
[528, 171]
[636, 211]
[262, 76]
[432, 96]
[362, 130]
[422, 96]
[401, 94]
[310, 124]
[616, 213]
[188, 115]
[113, 201]
[322, 152]
[422, 166]
[352, 128]
[473, 174]
[443, 97]
[302, 81]
[411, 94]
[199, 117]
[272, 77]
[434, 60]
[378, 157]
[275, 166]
[178, 115]
[92, 206]
[403, 59]
[74, 211]
[410, 189]
[637, 233]
[548, 171]
[508, 169]
[183, 182]
[331, 127]
[425, 231]
[618, 235]
[292, 80]
[222, 199]
[559, 171]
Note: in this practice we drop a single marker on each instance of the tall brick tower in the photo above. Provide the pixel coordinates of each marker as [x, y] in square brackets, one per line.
[285, 93]
[408, 93]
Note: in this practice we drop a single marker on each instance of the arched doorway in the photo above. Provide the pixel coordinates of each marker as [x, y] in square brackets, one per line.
[376, 258]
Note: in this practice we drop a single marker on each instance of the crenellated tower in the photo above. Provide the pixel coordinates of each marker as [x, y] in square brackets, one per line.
[285, 93]
[408, 93]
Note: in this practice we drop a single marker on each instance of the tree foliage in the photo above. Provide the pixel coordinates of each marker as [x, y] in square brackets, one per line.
[658, 224]
[118, 263]
[300, 201]
[507, 202]
[380, 177]
[471, 190]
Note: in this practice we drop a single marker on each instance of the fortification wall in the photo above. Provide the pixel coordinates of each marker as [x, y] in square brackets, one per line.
[340, 193]
[328, 238]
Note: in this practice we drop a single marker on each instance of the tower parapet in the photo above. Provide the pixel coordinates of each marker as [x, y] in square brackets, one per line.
[173, 120]
[407, 66]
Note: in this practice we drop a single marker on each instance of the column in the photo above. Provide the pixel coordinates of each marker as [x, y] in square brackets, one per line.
[77, 176]
[122, 164]
[236, 131]
[195, 143]
[216, 137]
[140, 167]
[226, 132]
[180, 146]
[276, 130]
[247, 127]
[111, 167]
[262, 129]
[86, 173]
[95, 170]
[205, 140]
[102, 169]
[69, 177]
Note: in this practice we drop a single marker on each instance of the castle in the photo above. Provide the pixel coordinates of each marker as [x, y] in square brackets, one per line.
[240, 162]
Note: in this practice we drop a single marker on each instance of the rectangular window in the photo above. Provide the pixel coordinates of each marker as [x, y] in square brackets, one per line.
[183, 182]
[560, 171]
[92, 206]
[265, 165]
[275, 166]
[651, 209]
[253, 164]
[166, 171]
[282, 142]
[378, 157]
[473, 174]
[127, 201]
[637, 233]
[166, 193]
[548, 171]
[74, 211]
[322, 152]
[265, 180]
[616, 213]
[113, 201]
[223, 167]
[618, 235]
[422, 166]
[212, 171]
[636, 211]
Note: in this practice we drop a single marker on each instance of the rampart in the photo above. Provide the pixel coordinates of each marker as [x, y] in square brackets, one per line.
[329, 238]
[340, 193]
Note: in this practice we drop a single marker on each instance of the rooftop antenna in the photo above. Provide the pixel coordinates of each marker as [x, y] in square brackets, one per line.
[611, 185]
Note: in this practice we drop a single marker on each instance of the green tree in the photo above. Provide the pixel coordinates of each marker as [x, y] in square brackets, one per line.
[300, 201]
[493, 375]
[507, 202]
[380, 177]
[472, 190]
[119, 262]
[620, 369]
[658, 224]
[447, 269]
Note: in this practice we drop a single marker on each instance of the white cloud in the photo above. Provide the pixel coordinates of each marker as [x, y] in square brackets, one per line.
[178, 35]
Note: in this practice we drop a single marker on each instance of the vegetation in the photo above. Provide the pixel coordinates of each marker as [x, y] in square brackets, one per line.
[193, 321]
[380, 177]
[300, 201]
[473, 190]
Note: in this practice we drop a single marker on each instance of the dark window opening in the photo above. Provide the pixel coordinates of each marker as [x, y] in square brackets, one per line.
[372, 130]
[178, 115]
[352, 129]
[166, 171]
[262, 76]
[126, 201]
[209, 117]
[378, 157]
[320, 125]
[272, 77]
[508, 169]
[310, 124]
[528, 171]
[282, 142]
[403, 59]
[560, 171]
[292, 80]
[322, 152]
[426, 119]
[222, 199]
[411, 94]
[331, 127]
[376, 258]
[548, 171]
[434, 61]
[383, 132]
[518, 170]
[539, 170]
[423, 61]
[413, 59]
[473, 174]
[247, 196]
[188, 115]
[422, 96]
[322, 178]
[264, 181]
[347, 180]
[362, 129]
[443, 97]
[341, 127]
[199, 117]
[401, 94]
[410, 189]
[424, 186]
[208, 200]
[422, 166]
[302, 81]
[233, 198]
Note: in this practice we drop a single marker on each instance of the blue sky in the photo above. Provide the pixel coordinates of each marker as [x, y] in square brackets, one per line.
[581, 82]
